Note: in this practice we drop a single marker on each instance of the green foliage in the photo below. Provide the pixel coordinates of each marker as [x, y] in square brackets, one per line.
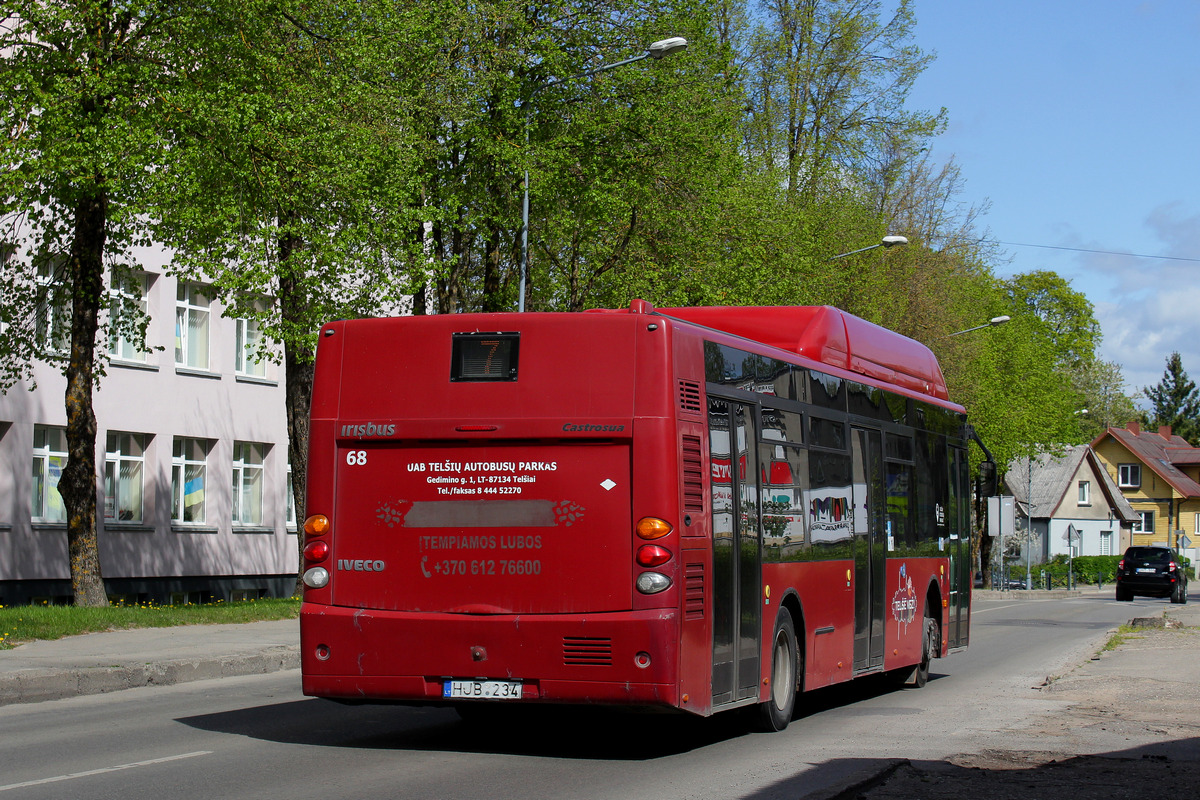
[1087, 569]
[82, 83]
[1101, 386]
[1175, 401]
[355, 158]
[287, 165]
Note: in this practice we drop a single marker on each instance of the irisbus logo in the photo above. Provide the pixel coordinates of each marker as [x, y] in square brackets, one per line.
[370, 429]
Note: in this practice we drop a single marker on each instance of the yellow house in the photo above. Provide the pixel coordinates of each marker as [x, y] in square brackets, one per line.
[1159, 474]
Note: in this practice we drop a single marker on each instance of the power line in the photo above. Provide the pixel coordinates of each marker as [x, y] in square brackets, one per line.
[1101, 252]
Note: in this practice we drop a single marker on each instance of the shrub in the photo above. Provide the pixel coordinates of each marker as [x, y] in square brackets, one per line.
[1087, 569]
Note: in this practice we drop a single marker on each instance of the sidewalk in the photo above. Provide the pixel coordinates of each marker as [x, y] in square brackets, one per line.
[107, 662]
[1126, 719]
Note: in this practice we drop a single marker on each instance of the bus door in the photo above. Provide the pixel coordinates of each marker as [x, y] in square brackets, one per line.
[870, 548]
[959, 550]
[736, 552]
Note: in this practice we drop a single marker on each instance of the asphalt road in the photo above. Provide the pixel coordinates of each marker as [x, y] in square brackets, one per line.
[258, 737]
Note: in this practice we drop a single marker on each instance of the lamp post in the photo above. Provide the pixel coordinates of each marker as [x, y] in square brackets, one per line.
[657, 50]
[990, 324]
[1029, 526]
[888, 241]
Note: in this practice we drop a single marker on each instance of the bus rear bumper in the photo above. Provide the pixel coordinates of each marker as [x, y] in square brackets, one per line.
[622, 658]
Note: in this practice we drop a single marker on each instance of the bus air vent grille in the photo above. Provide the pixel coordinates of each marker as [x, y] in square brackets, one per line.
[587, 651]
[689, 397]
[693, 474]
[693, 590]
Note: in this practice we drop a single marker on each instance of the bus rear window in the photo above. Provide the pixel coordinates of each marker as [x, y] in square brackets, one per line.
[485, 356]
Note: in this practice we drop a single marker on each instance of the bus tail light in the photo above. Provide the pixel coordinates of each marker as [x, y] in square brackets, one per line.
[316, 578]
[653, 583]
[316, 525]
[652, 528]
[316, 551]
[651, 555]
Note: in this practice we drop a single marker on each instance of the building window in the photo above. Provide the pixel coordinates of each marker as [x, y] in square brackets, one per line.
[248, 358]
[49, 458]
[1129, 476]
[124, 462]
[1144, 523]
[189, 463]
[248, 483]
[1085, 493]
[191, 327]
[1106, 542]
[291, 502]
[52, 323]
[127, 311]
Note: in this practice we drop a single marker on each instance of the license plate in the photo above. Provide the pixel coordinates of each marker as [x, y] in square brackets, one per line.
[1142, 571]
[482, 690]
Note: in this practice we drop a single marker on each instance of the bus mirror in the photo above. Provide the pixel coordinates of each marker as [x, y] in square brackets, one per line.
[987, 478]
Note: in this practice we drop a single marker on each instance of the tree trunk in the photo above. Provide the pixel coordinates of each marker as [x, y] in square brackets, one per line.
[77, 485]
[298, 381]
[492, 299]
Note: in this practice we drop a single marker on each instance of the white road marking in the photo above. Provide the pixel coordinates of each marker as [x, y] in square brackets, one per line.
[73, 775]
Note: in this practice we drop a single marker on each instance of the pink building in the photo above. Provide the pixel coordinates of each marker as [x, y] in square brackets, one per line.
[192, 478]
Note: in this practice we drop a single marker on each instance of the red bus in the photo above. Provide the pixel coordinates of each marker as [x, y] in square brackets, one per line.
[688, 508]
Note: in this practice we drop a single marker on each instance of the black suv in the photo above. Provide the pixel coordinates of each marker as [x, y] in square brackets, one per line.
[1153, 571]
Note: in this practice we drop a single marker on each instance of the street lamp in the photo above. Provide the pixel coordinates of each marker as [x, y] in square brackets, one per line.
[990, 323]
[888, 241]
[657, 50]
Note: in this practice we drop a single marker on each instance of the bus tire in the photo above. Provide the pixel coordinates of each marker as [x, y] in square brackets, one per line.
[776, 712]
[929, 643]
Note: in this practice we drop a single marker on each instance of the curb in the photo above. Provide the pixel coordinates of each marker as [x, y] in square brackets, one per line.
[864, 780]
[1025, 594]
[37, 685]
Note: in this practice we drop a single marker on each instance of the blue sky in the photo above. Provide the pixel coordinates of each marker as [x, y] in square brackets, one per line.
[1080, 122]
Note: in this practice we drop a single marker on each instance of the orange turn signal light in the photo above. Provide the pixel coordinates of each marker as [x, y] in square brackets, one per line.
[316, 525]
[652, 528]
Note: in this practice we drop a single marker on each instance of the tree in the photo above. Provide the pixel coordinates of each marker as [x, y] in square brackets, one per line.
[1101, 387]
[1175, 401]
[84, 82]
[286, 188]
[827, 82]
[1065, 318]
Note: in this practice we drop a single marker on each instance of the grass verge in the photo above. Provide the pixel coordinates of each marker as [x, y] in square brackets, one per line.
[1123, 634]
[26, 623]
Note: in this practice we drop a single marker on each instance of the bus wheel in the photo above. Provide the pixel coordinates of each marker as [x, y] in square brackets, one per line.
[776, 712]
[929, 643]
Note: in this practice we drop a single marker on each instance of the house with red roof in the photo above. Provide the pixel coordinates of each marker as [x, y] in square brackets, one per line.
[1158, 472]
